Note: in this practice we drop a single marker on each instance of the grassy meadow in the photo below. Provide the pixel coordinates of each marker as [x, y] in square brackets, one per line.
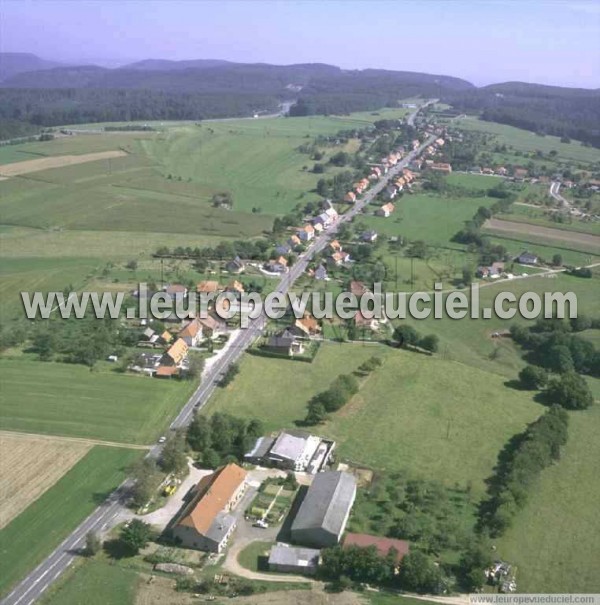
[96, 582]
[44, 524]
[554, 539]
[68, 399]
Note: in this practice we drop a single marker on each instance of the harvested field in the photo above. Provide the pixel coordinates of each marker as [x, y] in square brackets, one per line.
[29, 465]
[58, 161]
[503, 227]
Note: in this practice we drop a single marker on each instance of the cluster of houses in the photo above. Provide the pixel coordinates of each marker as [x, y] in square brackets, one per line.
[291, 341]
[377, 171]
[519, 174]
[497, 269]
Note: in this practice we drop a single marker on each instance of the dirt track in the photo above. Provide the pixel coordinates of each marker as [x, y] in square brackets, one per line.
[516, 228]
[57, 161]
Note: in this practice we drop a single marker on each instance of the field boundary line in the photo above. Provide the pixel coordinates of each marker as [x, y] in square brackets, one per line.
[82, 440]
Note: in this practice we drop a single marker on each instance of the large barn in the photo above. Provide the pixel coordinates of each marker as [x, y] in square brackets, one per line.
[324, 512]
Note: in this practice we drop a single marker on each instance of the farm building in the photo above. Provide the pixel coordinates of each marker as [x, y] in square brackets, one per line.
[292, 559]
[297, 451]
[235, 266]
[324, 512]
[206, 523]
[527, 258]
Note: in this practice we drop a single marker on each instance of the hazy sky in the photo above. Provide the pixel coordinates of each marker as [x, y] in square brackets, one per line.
[484, 41]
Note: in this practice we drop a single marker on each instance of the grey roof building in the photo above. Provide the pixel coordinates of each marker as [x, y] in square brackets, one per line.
[323, 514]
[260, 450]
[293, 559]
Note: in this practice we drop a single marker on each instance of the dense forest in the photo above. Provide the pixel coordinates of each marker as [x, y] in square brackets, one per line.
[195, 90]
[564, 112]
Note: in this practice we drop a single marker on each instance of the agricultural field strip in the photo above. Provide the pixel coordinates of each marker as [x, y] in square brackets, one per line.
[59, 161]
[515, 227]
[31, 464]
[77, 440]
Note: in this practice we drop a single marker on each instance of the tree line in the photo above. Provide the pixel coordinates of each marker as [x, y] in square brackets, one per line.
[519, 465]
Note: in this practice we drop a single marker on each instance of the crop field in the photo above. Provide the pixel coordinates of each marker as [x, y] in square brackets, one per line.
[583, 241]
[32, 535]
[58, 161]
[524, 140]
[554, 539]
[572, 254]
[31, 464]
[539, 216]
[67, 399]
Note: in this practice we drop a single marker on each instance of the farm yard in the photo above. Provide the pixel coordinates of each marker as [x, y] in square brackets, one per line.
[30, 536]
[102, 405]
[30, 464]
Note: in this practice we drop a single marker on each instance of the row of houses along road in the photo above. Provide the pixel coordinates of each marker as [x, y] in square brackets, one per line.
[108, 514]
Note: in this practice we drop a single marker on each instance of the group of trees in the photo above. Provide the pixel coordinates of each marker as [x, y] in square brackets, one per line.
[418, 572]
[336, 396]
[519, 465]
[84, 341]
[222, 438]
[226, 250]
[408, 338]
[554, 347]
[434, 519]
[53, 107]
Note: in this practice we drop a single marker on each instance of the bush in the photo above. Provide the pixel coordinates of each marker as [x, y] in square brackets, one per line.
[533, 377]
[571, 391]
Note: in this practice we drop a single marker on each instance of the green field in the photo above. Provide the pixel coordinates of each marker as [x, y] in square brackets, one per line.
[96, 583]
[554, 540]
[271, 398]
[39, 274]
[437, 418]
[430, 218]
[44, 524]
[68, 399]
[524, 140]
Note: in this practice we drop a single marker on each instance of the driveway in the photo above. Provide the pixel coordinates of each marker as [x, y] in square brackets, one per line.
[161, 517]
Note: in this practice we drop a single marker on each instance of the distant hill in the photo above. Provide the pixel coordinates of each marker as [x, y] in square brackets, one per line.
[44, 94]
[164, 65]
[12, 64]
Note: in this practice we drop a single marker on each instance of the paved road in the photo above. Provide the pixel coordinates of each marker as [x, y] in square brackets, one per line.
[109, 513]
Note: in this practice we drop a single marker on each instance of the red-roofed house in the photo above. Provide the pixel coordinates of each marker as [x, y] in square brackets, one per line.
[383, 545]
